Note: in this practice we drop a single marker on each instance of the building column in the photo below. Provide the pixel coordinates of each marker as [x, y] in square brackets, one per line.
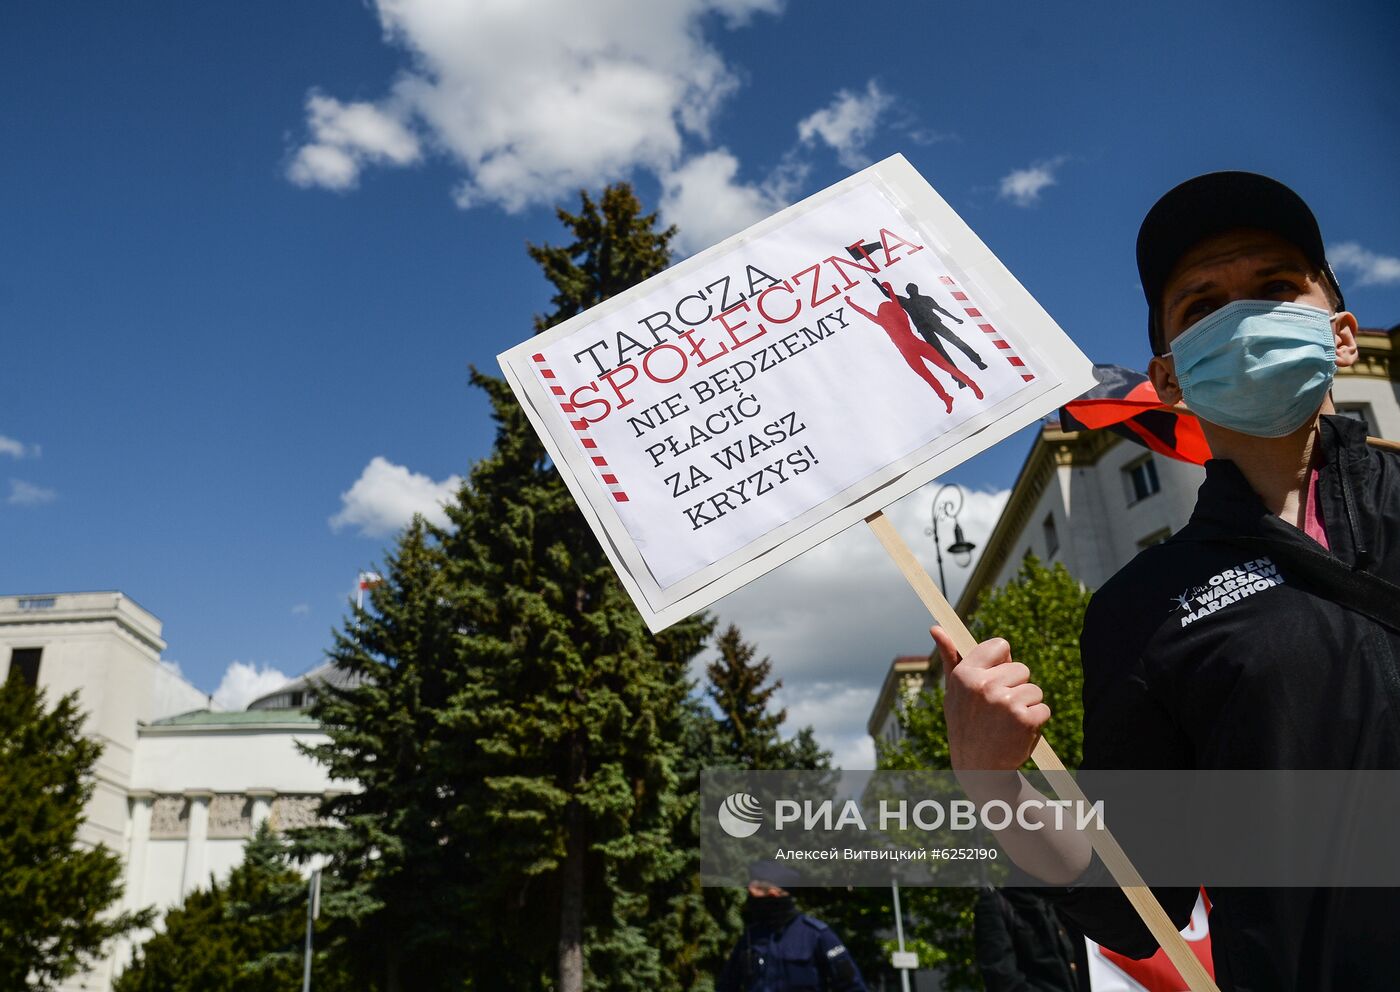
[136, 852]
[196, 841]
[262, 805]
[138, 836]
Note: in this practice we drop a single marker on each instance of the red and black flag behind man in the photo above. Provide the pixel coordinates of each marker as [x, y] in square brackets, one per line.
[1125, 403]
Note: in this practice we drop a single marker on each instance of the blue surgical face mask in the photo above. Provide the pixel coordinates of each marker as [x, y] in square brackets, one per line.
[1257, 366]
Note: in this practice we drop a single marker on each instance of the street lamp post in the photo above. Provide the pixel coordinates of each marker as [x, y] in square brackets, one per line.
[313, 910]
[899, 933]
[948, 503]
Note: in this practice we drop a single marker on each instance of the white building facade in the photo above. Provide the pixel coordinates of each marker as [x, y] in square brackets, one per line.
[179, 788]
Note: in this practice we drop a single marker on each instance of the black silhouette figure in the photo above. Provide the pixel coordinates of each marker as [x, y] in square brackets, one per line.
[923, 312]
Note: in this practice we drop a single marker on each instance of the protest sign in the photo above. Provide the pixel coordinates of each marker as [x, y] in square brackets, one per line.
[749, 403]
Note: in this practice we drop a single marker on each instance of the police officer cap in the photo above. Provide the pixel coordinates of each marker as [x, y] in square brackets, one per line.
[774, 873]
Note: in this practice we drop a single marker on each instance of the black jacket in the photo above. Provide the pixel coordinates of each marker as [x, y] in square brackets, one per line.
[1023, 945]
[1274, 677]
[801, 955]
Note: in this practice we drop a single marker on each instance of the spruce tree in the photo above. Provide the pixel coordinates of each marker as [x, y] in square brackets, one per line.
[55, 897]
[743, 695]
[395, 891]
[614, 247]
[193, 942]
[575, 714]
[734, 727]
[516, 734]
[244, 934]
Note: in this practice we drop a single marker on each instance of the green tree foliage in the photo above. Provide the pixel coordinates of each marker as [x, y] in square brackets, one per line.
[241, 935]
[747, 735]
[614, 247]
[399, 875]
[748, 728]
[576, 714]
[518, 735]
[692, 925]
[739, 687]
[736, 729]
[1040, 612]
[55, 897]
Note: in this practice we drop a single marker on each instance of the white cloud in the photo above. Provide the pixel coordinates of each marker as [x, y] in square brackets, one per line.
[1370, 268]
[847, 123]
[928, 136]
[833, 619]
[17, 449]
[243, 682]
[325, 166]
[1023, 186]
[301, 609]
[532, 100]
[347, 136]
[28, 494]
[386, 496]
[706, 202]
[836, 712]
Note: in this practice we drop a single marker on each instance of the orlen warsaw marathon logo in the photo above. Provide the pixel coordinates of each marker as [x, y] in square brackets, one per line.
[1229, 586]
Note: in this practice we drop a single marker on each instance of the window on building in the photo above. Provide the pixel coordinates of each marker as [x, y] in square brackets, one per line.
[24, 665]
[1052, 538]
[297, 699]
[1361, 412]
[1142, 479]
[1156, 537]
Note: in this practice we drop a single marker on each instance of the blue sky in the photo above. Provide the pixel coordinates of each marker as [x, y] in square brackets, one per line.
[246, 250]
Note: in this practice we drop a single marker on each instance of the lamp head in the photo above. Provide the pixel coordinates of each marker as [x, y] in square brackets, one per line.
[961, 549]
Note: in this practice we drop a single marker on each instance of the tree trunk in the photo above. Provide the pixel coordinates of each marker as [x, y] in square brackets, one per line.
[391, 971]
[571, 904]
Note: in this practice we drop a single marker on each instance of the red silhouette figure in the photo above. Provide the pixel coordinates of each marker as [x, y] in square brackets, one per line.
[914, 349]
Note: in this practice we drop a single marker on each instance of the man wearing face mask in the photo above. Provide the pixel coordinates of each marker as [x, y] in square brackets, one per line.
[1247, 324]
[783, 950]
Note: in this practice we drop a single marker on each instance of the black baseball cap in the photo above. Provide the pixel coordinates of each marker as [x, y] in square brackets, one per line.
[774, 873]
[1209, 205]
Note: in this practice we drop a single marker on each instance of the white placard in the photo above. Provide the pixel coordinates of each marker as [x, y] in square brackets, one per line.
[751, 402]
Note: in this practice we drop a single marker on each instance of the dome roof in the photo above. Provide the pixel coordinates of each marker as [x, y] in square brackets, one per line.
[301, 691]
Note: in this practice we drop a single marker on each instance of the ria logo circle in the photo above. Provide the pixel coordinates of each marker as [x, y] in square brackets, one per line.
[741, 815]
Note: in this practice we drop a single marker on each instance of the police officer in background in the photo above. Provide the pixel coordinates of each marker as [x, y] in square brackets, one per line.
[783, 950]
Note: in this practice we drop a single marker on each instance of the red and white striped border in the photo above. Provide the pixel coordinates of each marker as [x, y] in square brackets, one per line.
[581, 426]
[1002, 345]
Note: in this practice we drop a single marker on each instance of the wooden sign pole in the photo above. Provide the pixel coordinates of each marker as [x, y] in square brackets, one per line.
[1050, 765]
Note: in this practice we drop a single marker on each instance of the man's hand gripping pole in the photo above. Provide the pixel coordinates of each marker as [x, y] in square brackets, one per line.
[1050, 765]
